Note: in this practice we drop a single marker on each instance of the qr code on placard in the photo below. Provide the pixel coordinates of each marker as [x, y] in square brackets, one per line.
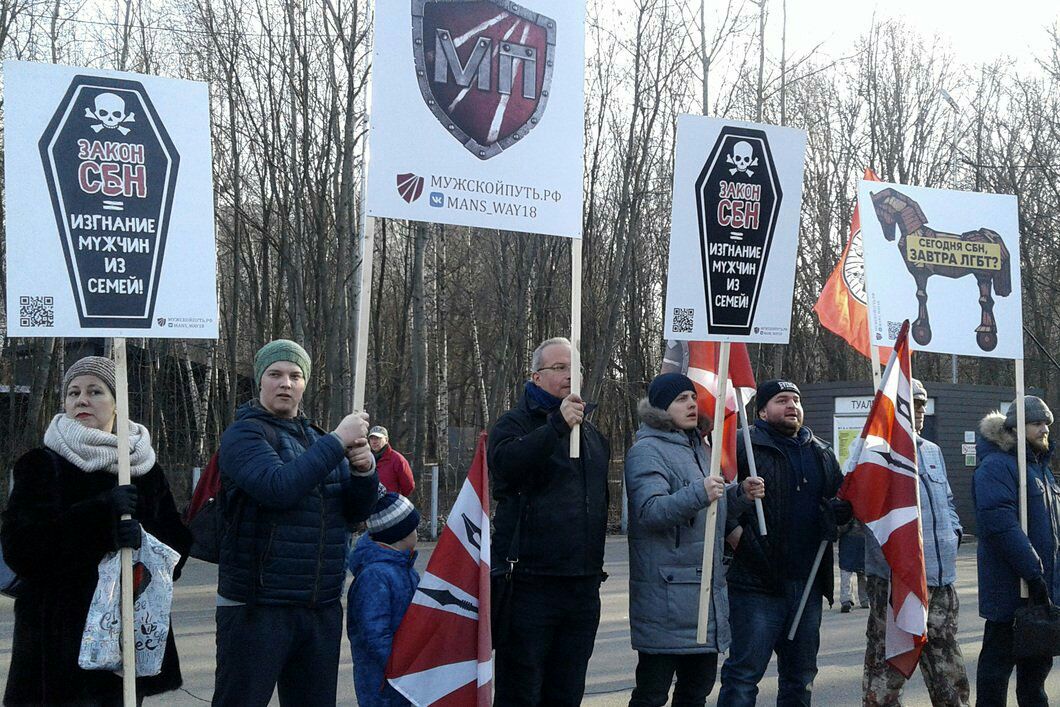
[893, 329]
[36, 311]
[684, 319]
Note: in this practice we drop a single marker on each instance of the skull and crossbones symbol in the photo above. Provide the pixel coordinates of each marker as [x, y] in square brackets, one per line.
[742, 158]
[110, 112]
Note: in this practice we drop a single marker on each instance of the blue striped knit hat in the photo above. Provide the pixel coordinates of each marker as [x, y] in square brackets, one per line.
[392, 519]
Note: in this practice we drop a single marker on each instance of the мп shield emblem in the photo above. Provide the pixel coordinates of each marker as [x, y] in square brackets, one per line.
[484, 68]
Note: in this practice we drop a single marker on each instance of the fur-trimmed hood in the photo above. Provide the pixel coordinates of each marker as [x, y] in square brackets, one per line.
[992, 428]
[993, 435]
[654, 417]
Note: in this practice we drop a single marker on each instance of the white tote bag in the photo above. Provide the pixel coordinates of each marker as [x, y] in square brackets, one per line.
[153, 565]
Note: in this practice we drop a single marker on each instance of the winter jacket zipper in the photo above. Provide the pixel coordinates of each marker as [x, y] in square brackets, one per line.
[265, 555]
[320, 546]
[1050, 508]
[587, 516]
[322, 488]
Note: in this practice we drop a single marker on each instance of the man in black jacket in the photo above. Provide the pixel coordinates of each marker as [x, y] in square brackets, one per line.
[552, 518]
[768, 574]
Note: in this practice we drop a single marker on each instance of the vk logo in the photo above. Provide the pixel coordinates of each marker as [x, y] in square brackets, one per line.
[437, 199]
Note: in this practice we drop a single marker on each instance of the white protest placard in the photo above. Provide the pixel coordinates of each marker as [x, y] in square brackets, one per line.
[477, 114]
[949, 262]
[110, 221]
[734, 231]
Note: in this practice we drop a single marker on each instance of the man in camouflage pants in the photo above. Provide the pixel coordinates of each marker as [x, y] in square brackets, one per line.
[941, 661]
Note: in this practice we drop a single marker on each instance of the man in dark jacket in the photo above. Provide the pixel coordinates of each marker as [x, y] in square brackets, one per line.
[1006, 554]
[555, 509]
[290, 490]
[768, 574]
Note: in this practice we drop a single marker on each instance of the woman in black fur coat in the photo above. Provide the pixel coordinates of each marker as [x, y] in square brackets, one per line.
[62, 517]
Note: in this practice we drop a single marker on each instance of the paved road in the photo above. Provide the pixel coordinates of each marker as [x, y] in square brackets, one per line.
[611, 670]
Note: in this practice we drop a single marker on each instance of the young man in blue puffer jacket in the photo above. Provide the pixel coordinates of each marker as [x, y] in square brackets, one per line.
[1007, 554]
[383, 584]
[289, 491]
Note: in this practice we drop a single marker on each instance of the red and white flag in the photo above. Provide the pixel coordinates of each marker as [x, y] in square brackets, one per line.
[443, 653]
[701, 365]
[881, 484]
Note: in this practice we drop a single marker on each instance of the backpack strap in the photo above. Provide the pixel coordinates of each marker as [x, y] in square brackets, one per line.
[513, 549]
[271, 436]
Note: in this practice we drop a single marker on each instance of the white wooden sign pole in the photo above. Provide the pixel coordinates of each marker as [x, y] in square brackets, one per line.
[706, 582]
[128, 642]
[752, 467]
[575, 336]
[876, 375]
[364, 302]
[1021, 455]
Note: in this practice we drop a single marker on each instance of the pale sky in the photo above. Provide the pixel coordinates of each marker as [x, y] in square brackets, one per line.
[976, 30]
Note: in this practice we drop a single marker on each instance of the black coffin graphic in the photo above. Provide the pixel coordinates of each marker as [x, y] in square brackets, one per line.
[111, 170]
[738, 197]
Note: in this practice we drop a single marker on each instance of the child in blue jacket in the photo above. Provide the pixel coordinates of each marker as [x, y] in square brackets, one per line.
[383, 584]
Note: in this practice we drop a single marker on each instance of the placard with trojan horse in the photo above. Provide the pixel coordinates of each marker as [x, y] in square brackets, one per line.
[949, 261]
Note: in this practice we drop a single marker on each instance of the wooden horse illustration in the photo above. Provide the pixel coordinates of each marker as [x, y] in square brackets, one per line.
[926, 252]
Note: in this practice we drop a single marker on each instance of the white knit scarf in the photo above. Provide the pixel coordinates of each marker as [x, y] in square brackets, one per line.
[90, 449]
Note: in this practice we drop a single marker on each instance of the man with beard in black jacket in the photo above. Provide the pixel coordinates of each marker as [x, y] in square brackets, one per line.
[768, 574]
[550, 526]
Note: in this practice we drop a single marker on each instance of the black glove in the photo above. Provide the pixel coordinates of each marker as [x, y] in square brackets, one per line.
[1038, 590]
[842, 510]
[122, 500]
[829, 527]
[127, 534]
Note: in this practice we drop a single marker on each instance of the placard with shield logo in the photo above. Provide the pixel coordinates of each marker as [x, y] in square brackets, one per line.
[477, 114]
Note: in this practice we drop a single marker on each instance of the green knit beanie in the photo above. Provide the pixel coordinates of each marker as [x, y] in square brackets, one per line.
[280, 350]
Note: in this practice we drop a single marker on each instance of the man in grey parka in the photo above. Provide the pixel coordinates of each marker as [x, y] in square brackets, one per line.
[941, 661]
[669, 488]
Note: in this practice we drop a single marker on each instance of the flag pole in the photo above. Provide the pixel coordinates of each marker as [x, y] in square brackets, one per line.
[1021, 455]
[749, 450]
[807, 589]
[710, 531]
[364, 303]
[875, 365]
[128, 642]
[575, 336]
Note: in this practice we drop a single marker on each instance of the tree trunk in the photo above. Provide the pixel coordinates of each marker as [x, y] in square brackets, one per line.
[441, 357]
[419, 350]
